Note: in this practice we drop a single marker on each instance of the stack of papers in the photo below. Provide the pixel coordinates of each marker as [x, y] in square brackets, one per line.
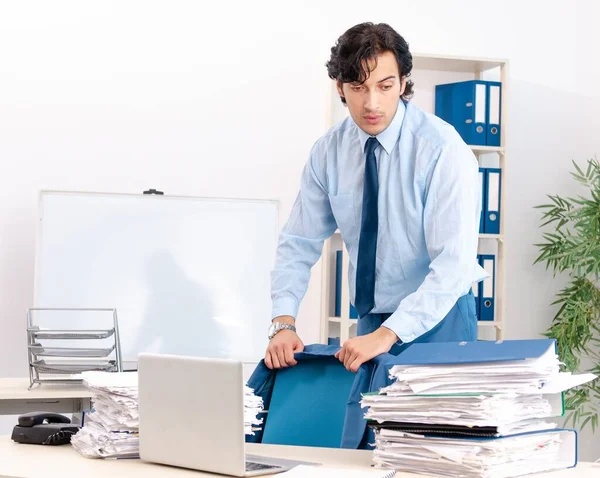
[482, 409]
[111, 429]
[253, 405]
[474, 458]
[532, 375]
[497, 414]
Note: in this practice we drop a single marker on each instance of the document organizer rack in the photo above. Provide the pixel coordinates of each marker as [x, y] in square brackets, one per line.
[60, 355]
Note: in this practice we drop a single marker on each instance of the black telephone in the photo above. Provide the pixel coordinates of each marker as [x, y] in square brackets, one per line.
[44, 428]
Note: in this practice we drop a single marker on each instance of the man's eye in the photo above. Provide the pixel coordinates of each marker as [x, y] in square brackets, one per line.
[356, 88]
[386, 87]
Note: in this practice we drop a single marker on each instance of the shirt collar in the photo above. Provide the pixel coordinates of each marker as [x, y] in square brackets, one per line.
[388, 137]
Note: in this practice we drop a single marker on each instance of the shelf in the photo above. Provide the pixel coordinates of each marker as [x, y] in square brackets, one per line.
[38, 333]
[338, 320]
[489, 323]
[482, 323]
[498, 237]
[454, 63]
[486, 149]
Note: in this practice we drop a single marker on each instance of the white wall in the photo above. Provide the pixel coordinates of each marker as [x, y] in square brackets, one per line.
[227, 100]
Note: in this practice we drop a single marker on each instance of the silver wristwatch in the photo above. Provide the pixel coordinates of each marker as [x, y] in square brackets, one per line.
[279, 326]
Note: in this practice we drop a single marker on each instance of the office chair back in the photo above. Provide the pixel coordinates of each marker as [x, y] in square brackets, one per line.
[308, 404]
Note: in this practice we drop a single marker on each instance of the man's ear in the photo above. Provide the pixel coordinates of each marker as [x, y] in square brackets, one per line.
[340, 89]
[402, 85]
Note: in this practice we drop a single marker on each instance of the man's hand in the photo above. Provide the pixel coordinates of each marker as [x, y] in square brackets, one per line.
[281, 349]
[359, 350]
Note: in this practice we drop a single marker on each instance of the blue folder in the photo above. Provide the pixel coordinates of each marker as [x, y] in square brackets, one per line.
[464, 106]
[487, 295]
[493, 185]
[476, 288]
[444, 353]
[483, 184]
[494, 102]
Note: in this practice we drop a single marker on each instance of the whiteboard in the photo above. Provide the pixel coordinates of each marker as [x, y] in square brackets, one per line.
[187, 276]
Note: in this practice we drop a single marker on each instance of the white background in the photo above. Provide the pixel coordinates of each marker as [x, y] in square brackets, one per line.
[225, 99]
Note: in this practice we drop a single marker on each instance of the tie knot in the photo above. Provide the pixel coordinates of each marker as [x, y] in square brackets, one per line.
[371, 145]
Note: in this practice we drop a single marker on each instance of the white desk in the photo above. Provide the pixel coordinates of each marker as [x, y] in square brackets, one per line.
[36, 461]
[60, 398]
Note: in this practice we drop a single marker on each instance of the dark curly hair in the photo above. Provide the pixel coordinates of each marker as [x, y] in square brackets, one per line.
[348, 62]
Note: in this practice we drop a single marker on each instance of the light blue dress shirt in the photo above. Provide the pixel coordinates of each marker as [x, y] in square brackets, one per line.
[429, 211]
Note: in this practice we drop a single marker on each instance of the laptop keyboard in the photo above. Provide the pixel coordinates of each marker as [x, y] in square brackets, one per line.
[253, 466]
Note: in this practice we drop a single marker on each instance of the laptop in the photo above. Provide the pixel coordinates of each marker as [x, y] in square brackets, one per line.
[192, 416]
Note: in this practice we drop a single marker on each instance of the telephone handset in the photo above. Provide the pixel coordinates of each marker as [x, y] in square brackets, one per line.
[38, 418]
[44, 428]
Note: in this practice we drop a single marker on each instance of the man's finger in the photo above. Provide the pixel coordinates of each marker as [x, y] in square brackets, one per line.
[281, 356]
[268, 361]
[348, 360]
[354, 366]
[275, 359]
[350, 357]
[298, 346]
[341, 354]
[289, 356]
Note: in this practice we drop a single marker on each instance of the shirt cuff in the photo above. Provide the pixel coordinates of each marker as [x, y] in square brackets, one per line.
[404, 326]
[285, 306]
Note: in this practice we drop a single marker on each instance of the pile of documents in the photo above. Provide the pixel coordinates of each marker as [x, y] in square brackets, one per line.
[253, 406]
[111, 429]
[474, 409]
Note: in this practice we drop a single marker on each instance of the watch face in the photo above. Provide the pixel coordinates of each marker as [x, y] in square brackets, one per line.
[272, 330]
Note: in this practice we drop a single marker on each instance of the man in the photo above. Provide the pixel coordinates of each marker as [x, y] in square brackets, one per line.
[402, 187]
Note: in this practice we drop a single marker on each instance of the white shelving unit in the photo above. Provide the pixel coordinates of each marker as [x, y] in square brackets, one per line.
[428, 71]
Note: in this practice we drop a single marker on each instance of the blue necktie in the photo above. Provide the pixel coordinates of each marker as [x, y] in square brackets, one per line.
[367, 244]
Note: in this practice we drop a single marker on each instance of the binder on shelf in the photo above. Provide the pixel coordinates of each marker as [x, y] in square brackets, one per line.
[473, 108]
[483, 185]
[494, 101]
[464, 106]
[493, 179]
[338, 288]
[487, 292]
[476, 288]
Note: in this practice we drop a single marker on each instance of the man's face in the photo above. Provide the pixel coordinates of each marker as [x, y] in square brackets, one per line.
[373, 104]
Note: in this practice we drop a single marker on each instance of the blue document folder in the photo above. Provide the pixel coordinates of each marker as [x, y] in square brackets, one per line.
[443, 353]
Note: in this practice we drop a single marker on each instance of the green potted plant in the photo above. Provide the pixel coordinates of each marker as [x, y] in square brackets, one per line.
[573, 247]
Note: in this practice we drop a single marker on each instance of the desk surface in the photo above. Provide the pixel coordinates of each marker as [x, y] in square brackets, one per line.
[35, 461]
[16, 389]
